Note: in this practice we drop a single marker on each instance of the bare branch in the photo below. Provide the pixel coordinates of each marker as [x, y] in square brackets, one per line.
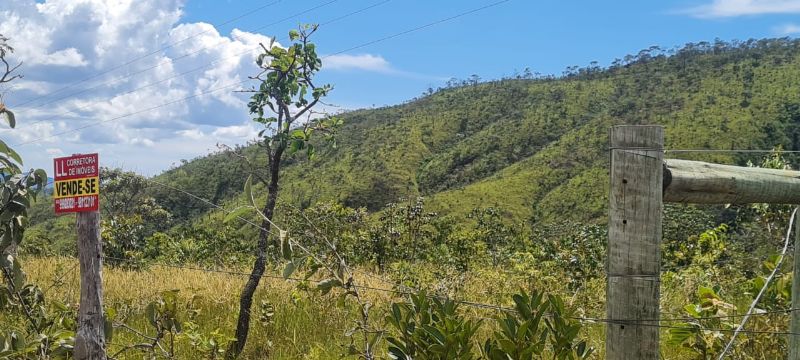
[7, 72]
[253, 168]
[306, 108]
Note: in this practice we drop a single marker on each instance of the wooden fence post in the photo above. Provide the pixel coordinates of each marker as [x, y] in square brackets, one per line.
[794, 340]
[90, 338]
[634, 239]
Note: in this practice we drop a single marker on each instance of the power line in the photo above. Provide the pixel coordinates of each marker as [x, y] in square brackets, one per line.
[242, 82]
[205, 66]
[419, 27]
[243, 15]
[209, 202]
[129, 114]
[171, 61]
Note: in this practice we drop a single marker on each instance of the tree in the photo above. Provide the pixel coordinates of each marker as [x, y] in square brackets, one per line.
[129, 214]
[279, 104]
[16, 198]
[18, 189]
[8, 76]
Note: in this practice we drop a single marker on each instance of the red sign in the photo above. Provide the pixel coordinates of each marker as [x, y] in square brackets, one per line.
[76, 183]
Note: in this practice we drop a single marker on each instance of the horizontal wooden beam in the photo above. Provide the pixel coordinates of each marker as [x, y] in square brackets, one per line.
[699, 182]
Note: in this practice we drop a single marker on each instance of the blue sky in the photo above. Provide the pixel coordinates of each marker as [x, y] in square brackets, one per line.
[149, 82]
[546, 36]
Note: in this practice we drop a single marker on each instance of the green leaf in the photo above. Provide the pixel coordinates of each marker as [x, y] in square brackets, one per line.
[41, 178]
[150, 313]
[310, 151]
[326, 285]
[289, 269]
[108, 328]
[296, 146]
[4, 148]
[12, 120]
[286, 246]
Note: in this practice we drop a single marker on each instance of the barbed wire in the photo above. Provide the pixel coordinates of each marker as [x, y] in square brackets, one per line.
[480, 305]
[666, 150]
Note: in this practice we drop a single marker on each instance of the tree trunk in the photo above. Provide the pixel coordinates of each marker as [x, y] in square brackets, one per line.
[11, 249]
[90, 342]
[246, 300]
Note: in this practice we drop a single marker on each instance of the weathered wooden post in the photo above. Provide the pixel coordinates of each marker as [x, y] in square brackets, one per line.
[76, 190]
[794, 328]
[90, 338]
[640, 182]
[634, 238]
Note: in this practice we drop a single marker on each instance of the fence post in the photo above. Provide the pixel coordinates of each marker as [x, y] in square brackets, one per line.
[90, 338]
[794, 340]
[634, 239]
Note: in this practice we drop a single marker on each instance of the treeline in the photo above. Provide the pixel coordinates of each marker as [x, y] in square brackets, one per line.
[534, 143]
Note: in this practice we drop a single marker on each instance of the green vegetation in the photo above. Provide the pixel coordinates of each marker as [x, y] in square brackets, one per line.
[480, 193]
[534, 145]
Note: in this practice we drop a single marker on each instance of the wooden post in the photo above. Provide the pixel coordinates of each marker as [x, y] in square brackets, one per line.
[634, 238]
[699, 182]
[794, 340]
[90, 343]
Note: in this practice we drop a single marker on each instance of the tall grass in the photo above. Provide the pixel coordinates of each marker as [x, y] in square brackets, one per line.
[307, 325]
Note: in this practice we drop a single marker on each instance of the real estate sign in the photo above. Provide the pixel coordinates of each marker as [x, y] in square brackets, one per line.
[77, 183]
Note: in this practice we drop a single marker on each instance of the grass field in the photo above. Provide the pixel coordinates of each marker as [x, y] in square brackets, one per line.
[307, 325]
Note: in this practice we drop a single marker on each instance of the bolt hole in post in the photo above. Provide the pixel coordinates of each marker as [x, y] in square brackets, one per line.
[632, 291]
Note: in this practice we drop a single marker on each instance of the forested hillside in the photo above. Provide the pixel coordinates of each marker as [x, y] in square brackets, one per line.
[534, 146]
[473, 191]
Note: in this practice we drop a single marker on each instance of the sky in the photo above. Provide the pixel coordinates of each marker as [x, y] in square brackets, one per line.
[148, 83]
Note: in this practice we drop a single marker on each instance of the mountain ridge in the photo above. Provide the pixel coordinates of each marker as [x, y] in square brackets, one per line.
[536, 148]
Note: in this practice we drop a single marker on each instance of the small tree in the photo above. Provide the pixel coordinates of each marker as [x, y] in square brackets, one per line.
[7, 76]
[42, 336]
[286, 96]
[130, 215]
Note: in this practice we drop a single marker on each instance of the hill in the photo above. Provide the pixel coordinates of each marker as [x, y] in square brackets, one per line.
[533, 146]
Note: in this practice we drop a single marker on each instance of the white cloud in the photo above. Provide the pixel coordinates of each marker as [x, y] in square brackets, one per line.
[194, 134]
[133, 113]
[36, 87]
[142, 142]
[732, 8]
[65, 57]
[366, 62]
[236, 131]
[787, 29]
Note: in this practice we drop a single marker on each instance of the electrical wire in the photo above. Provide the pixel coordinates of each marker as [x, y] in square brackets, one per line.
[129, 62]
[210, 91]
[242, 82]
[179, 75]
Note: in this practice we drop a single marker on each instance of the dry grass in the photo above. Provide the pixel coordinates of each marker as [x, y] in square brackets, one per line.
[305, 325]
